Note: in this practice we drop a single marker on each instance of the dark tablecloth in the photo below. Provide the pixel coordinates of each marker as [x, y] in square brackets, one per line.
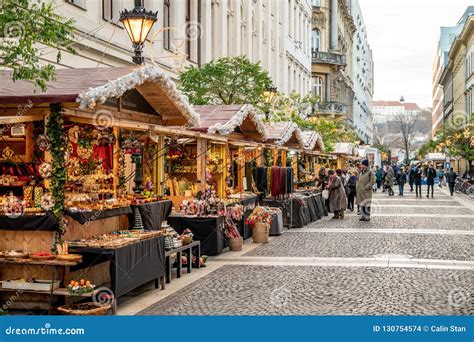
[245, 230]
[46, 222]
[276, 227]
[208, 230]
[153, 214]
[88, 216]
[131, 266]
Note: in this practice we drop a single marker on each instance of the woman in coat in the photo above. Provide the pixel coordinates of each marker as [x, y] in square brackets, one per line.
[389, 181]
[337, 195]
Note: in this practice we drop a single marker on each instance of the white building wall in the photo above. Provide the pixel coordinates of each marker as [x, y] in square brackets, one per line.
[274, 32]
[362, 76]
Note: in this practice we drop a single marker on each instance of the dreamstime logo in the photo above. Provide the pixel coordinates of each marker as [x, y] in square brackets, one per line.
[13, 30]
[192, 30]
[280, 297]
[374, 205]
[103, 296]
[103, 119]
[459, 297]
[458, 120]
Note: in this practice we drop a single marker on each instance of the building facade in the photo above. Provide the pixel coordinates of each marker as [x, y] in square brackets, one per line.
[194, 32]
[457, 79]
[342, 65]
[386, 111]
[363, 76]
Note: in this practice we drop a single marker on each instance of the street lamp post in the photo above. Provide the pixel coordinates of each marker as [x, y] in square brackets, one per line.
[268, 96]
[138, 23]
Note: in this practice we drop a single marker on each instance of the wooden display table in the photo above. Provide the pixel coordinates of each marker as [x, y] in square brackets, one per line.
[188, 249]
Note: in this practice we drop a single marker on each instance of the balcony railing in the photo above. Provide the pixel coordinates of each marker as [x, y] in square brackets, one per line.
[327, 107]
[328, 58]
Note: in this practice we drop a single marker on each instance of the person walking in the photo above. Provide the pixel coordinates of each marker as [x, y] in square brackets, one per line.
[417, 179]
[430, 174]
[441, 177]
[351, 191]
[401, 180]
[337, 195]
[378, 177]
[365, 182]
[389, 181]
[451, 179]
[411, 177]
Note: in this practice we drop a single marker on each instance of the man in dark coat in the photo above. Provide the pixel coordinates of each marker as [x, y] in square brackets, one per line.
[451, 179]
[411, 177]
[430, 174]
[417, 179]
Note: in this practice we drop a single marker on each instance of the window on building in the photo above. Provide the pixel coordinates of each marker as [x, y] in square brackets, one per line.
[316, 3]
[318, 87]
[111, 10]
[167, 23]
[78, 3]
[315, 40]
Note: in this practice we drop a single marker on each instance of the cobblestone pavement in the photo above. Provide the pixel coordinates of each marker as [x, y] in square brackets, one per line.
[394, 223]
[302, 290]
[423, 266]
[357, 245]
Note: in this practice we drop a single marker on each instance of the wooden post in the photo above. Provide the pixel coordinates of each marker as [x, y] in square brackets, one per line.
[222, 181]
[116, 158]
[201, 162]
[241, 167]
[283, 154]
[275, 154]
[159, 166]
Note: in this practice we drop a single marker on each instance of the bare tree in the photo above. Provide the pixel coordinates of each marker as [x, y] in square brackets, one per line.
[405, 126]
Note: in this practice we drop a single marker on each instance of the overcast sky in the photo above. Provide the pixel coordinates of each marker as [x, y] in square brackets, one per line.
[403, 36]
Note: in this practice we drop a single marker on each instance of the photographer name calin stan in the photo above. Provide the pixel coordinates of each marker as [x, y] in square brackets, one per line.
[443, 328]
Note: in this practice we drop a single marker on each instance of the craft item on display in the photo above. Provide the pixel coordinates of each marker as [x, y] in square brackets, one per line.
[38, 194]
[73, 134]
[138, 220]
[8, 153]
[15, 254]
[46, 170]
[131, 146]
[28, 194]
[42, 256]
[77, 288]
[43, 142]
[13, 206]
[84, 152]
[47, 202]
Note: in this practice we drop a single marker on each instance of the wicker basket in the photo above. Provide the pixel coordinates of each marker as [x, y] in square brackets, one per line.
[260, 232]
[235, 244]
[84, 309]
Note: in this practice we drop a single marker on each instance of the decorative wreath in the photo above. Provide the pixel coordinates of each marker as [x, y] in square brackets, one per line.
[46, 170]
[43, 142]
[73, 134]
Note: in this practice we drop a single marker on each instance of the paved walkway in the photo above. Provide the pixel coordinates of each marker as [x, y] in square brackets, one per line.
[413, 258]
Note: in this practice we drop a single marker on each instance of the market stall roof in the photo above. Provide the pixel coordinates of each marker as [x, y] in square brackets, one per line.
[285, 133]
[347, 149]
[227, 119]
[313, 141]
[97, 85]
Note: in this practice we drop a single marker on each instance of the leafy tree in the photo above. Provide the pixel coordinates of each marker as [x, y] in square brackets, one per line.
[291, 107]
[229, 80]
[26, 28]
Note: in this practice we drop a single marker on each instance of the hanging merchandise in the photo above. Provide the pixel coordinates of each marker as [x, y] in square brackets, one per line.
[275, 181]
[43, 142]
[45, 170]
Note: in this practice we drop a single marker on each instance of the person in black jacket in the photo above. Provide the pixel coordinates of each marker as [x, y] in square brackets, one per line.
[430, 174]
[451, 179]
[411, 178]
[351, 191]
[401, 180]
[418, 173]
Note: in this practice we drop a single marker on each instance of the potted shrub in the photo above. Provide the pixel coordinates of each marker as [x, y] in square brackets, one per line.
[260, 220]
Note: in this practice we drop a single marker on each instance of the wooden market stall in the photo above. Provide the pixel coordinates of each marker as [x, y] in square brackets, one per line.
[308, 167]
[344, 153]
[70, 154]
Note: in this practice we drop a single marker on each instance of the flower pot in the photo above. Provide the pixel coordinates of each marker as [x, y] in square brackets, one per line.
[235, 244]
[260, 232]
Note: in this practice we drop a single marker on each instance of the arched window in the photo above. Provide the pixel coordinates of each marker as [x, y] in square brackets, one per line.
[315, 40]
[318, 87]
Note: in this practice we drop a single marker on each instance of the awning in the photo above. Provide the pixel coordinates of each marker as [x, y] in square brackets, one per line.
[285, 134]
[312, 141]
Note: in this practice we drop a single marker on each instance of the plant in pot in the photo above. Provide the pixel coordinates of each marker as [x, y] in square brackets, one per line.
[260, 220]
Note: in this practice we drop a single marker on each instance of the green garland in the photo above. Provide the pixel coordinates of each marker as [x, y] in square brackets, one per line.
[59, 174]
